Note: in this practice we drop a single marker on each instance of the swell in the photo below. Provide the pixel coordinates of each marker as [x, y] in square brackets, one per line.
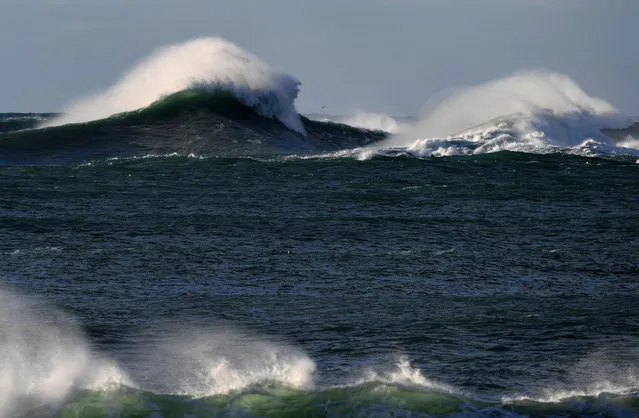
[193, 121]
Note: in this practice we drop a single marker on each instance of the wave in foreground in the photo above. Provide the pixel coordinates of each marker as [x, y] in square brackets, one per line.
[49, 369]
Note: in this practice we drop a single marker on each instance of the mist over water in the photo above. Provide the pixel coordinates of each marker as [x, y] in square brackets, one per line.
[371, 121]
[42, 355]
[526, 94]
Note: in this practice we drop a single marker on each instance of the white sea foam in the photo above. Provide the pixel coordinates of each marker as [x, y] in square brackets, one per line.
[208, 64]
[535, 112]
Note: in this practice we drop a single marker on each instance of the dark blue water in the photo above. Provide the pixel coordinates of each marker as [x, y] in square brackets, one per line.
[497, 285]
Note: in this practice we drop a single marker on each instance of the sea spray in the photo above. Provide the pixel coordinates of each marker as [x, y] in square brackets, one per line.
[210, 361]
[45, 358]
[42, 355]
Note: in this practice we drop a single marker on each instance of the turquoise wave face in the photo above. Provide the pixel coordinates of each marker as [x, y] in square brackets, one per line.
[366, 400]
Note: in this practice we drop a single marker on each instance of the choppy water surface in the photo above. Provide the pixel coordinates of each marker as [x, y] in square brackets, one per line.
[490, 285]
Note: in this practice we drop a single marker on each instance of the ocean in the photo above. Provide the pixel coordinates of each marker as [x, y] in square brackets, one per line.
[214, 256]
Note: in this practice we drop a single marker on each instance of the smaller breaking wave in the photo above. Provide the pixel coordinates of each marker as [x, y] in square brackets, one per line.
[206, 64]
[536, 112]
[200, 363]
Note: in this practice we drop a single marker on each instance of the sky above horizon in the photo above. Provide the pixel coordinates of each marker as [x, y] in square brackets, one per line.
[389, 56]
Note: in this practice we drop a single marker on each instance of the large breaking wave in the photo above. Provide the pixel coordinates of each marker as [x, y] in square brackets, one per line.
[208, 64]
